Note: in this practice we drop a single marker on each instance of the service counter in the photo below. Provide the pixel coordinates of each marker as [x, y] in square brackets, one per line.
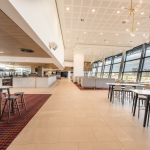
[33, 82]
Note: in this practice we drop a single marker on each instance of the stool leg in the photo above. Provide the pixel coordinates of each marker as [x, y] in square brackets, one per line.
[4, 109]
[139, 109]
[12, 106]
[24, 102]
[21, 96]
[9, 110]
[18, 107]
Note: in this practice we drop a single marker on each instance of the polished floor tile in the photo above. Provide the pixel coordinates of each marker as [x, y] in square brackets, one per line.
[74, 119]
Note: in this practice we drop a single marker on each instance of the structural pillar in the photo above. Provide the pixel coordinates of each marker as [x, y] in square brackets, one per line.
[121, 65]
[78, 69]
[69, 74]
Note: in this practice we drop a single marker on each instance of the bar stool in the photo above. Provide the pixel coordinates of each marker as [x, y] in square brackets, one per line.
[4, 93]
[13, 104]
[22, 99]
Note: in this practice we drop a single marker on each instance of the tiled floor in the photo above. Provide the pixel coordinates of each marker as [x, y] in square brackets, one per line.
[81, 120]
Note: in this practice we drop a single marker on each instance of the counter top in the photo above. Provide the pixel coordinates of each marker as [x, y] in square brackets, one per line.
[33, 77]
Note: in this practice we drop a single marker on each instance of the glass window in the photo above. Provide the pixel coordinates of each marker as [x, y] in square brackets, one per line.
[94, 64]
[99, 63]
[146, 66]
[93, 74]
[94, 70]
[105, 75]
[115, 75]
[116, 68]
[132, 66]
[108, 61]
[147, 51]
[98, 75]
[99, 69]
[130, 76]
[117, 58]
[107, 68]
[145, 77]
[133, 54]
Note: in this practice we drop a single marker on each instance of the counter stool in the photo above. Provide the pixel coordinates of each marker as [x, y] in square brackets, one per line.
[4, 94]
[22, 99]
[13, 104]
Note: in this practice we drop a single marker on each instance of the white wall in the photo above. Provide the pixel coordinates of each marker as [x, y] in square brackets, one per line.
[42, 17]
[68, 64]
[78, 69]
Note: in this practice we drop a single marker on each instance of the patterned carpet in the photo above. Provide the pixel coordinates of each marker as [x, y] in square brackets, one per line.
[90, 88]
[8, 131]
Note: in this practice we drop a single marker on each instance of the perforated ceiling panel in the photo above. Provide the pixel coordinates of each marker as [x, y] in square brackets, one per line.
[100, 16]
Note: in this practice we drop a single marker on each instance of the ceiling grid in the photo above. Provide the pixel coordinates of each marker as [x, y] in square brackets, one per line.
[105, 20]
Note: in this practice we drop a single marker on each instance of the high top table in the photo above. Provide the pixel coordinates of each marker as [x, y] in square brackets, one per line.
[120, 84]
[145, 93]
[1, 94]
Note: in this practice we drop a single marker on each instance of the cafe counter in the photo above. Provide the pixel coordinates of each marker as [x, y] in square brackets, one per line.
[33, 82]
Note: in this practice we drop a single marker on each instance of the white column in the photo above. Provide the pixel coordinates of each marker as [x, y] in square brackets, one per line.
[69, 74]
[78, 68]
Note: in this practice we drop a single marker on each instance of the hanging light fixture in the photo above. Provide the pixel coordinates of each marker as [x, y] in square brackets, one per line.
[132, 11]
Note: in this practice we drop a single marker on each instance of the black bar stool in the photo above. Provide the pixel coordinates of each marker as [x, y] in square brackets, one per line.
[13, 104]
[22, 99]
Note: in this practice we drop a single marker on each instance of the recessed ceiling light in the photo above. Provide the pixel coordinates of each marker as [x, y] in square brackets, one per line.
[93, 10]
[101, 33]
[119, 42]
[142, 13]
[68, 45]
[68, 31]
[1, 52]
[94, 41]
[143, 34]
[118, 12]
[84, 32]
[138, 23]
[67, 40]
[67, 8]
[106, 42]
[116, 34]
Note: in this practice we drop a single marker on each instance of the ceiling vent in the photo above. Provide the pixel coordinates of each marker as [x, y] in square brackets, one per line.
[25, 50]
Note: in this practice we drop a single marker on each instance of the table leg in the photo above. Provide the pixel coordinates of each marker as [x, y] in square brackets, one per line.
[0, 103]
[109, 91]
[146, 111]
[135, 102]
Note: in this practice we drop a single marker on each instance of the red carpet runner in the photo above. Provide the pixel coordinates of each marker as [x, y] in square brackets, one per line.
[8, 131]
